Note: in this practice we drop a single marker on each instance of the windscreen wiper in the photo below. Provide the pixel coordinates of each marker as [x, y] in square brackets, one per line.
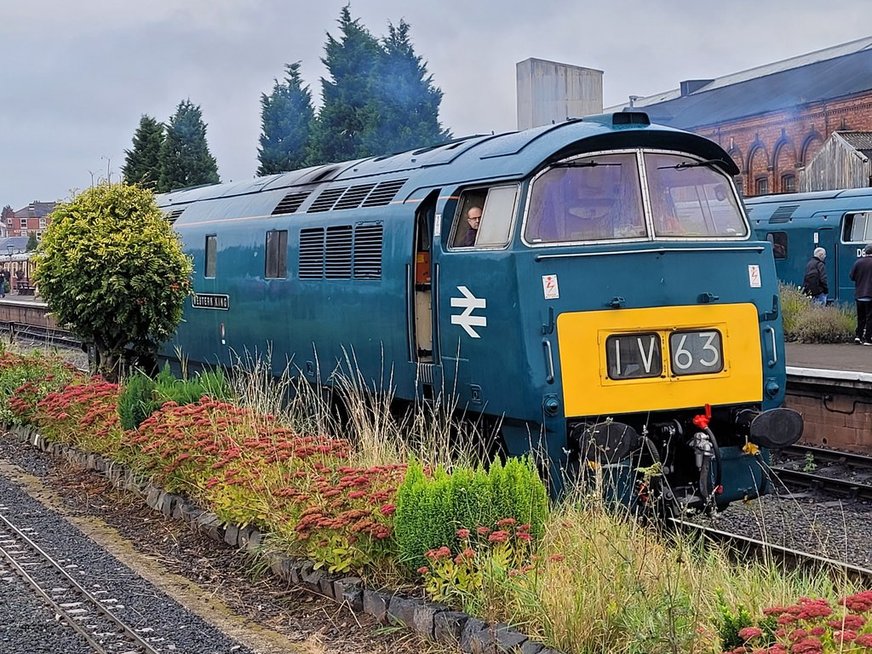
[582, 164]
[694, 164]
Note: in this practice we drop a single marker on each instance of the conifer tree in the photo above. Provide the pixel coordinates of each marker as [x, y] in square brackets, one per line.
[185, 159]
[346, 114]
[142, 163]
[286, 124]
[404, 100]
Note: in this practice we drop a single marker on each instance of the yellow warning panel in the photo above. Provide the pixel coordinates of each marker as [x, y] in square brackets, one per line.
[630, 360]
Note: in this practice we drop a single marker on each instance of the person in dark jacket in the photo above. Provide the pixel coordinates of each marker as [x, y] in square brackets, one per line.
[815, 281]
[861, 275]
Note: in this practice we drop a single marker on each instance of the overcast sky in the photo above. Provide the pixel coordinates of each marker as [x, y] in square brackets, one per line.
[76, 75]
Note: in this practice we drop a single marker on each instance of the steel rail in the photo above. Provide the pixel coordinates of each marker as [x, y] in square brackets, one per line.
[59, 337]
[130, 637]
[741, 543]
[824, 483]
[827, 483]
[831, 456]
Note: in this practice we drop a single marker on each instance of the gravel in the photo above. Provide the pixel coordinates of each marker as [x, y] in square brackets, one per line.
[267, 615]
[144, 605]
[812, 522]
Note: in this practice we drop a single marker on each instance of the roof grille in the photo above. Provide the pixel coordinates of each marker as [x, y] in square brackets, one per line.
[312, 253]
[368, 239]
[174, 214]
[324, 202]
[783, 213]
[352, 198]
[337, 263]
[384, 193]
[291, 202]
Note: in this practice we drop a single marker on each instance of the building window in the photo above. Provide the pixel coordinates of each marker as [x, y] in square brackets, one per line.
[761, 186]
[22, 223]
[42, 223]
[276, 254]
[788, 183]
[211, 254]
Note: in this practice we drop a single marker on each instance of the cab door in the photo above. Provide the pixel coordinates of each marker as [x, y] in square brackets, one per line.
[475, 294]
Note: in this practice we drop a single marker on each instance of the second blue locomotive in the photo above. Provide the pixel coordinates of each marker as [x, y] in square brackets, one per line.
[839, 221]
[611, 308]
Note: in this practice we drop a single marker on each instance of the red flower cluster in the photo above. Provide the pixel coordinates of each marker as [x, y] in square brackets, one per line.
[804, 628]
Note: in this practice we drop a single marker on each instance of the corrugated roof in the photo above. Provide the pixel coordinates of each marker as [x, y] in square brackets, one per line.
[825, 74]
[861, 141]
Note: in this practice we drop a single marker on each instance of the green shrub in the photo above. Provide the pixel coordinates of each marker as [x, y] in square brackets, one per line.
[833, 324]
[137, 401]
[793, 304]
[430, 509]
[211, 383]
[142, 396]
[807, 322]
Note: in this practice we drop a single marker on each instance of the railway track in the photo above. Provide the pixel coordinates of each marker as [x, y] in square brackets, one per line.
[745, 546]
[43, 335]
[92, 617]
[846, 473]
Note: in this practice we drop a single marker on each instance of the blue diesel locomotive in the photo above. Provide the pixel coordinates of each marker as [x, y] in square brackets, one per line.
[797, 223]
[609, 306]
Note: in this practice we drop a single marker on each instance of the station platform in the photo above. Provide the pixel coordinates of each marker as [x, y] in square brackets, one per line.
[843, 361]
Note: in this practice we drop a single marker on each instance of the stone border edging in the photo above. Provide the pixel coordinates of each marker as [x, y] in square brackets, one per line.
[432, 621]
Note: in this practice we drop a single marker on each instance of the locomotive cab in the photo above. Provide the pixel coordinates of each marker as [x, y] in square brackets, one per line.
[648, 318]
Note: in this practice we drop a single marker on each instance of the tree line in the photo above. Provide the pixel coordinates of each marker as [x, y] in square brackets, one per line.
[377, 99]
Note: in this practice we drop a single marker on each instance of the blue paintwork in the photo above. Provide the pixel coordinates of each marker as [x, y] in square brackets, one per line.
[820, 213]
[325, 322]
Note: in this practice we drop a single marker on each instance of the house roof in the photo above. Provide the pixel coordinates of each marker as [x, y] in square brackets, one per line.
[860, 141]
[842, 70]
[12, 244]
[36, 210]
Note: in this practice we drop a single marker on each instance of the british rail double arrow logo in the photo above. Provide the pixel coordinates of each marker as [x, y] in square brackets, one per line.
[468, 303]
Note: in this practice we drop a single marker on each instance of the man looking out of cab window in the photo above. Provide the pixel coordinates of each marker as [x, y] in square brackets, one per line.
[473, 219]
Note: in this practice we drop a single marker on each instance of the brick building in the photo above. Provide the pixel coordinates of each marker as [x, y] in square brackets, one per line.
[775, 118]
[32, 218]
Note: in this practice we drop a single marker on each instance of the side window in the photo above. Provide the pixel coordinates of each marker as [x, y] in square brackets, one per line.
[276, 254]
[779, 244]
[857, 227]
[211, 254]
[484, 217]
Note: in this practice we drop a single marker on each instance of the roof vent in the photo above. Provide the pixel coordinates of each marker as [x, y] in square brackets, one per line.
[174, 214]
[384, 193]
[352, 198]
[630, 118]
[291, 202]
[783, 213]
[325, 201]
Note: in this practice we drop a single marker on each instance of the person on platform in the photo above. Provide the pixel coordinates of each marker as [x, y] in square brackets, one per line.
[861, 275]
[814, 283]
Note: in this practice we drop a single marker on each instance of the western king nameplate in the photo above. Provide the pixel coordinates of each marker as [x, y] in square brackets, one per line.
[210, 301]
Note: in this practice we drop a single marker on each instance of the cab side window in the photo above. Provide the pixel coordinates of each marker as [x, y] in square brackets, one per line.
[779, 244]
[484, 217]
[857, 227]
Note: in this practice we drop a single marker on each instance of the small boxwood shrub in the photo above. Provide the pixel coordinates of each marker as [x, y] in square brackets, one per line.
[432, 507]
